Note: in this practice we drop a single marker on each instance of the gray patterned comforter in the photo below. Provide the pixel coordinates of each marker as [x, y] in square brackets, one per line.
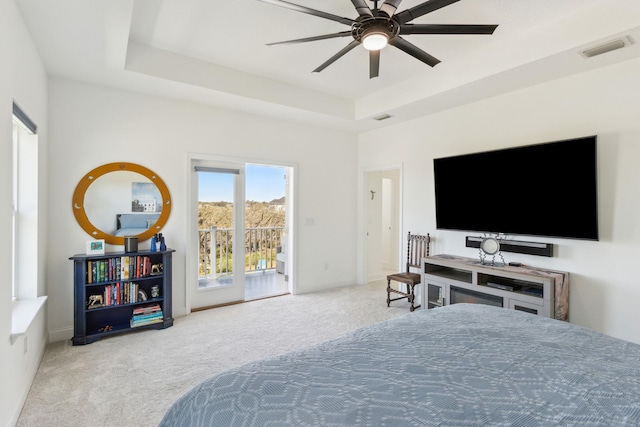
[461, 365]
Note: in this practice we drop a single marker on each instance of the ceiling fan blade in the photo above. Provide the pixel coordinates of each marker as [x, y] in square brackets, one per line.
[362, 8]
[337, 56]
[374, 63]
[414, 51]
[312, 39]
[421, 9]
[446, 29]
[310, 11]
[389, 7]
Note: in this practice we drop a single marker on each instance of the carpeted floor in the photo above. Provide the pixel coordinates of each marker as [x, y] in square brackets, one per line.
[132, 379]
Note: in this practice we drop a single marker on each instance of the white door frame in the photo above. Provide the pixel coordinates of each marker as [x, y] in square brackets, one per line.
[191, 272]
[228, 293]
[362, 273]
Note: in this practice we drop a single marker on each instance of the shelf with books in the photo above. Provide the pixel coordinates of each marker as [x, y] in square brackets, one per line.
[119, 268]
[146, 315]
[118, 293]
[107, 302]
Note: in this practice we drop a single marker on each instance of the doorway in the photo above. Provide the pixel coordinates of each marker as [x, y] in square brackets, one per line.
[383, 223]
[240, 232]
[266, 231]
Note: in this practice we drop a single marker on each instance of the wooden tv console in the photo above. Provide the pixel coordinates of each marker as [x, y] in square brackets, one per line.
[450, 279]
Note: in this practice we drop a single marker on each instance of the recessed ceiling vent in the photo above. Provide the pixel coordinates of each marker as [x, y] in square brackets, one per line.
[607, 47]
[382, 117]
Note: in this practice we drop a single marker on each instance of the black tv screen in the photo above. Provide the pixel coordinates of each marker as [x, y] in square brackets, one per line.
[536, 190]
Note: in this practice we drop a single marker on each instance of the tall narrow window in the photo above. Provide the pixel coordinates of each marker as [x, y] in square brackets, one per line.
[14, 212]
[24, 232]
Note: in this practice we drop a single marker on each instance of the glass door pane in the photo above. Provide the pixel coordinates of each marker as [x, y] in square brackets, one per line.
[220, 224]
[215, 228]
[265, 232]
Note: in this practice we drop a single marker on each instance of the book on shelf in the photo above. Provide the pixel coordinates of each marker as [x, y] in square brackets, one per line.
[150, 316]
[146, 315]
[125, 268]
[118, 268]
[122, 293]
[147, 309]
[135, 324]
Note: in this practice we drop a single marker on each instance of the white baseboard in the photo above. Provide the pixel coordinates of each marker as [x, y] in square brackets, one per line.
[62, 334]
[326, 286]
[376, 278]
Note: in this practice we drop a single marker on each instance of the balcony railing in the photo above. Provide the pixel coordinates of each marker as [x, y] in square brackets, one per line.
[216, 250]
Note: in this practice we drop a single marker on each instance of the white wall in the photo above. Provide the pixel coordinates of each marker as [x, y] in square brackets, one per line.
[22, 78]
[604, 290]
[92, 125]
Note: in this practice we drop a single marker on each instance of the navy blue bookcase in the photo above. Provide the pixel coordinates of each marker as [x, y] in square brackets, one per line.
[106, 298]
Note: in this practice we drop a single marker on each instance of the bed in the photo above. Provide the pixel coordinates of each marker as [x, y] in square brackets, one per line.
[459, 365]
[134, 223]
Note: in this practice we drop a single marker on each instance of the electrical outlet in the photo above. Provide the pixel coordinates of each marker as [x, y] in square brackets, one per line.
[326, 266]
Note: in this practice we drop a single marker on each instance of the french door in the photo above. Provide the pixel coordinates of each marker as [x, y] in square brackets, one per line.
[218, 238]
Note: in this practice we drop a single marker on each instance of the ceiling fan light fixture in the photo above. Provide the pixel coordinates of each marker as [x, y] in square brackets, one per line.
[375, 40]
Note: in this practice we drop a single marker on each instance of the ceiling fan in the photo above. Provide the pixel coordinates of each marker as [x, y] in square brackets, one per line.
[376, 27]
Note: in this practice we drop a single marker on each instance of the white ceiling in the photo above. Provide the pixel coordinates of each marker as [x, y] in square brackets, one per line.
[214, 52]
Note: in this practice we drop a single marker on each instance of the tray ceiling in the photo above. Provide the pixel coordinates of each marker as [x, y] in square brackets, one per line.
[215, 52]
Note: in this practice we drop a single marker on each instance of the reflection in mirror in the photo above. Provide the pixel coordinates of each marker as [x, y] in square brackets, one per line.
[121, 199]
[123, 203]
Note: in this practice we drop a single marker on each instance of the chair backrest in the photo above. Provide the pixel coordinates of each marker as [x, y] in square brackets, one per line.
[417, 248]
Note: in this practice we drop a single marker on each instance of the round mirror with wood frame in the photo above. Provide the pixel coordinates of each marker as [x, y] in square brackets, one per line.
[78, 201]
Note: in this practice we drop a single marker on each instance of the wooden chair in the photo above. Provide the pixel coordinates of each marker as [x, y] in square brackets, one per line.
[417, 248]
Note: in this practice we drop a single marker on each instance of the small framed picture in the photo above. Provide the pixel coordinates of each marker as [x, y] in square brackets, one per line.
[95, 247]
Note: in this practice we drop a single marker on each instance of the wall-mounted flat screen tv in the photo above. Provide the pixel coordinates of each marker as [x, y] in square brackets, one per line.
[536, 190]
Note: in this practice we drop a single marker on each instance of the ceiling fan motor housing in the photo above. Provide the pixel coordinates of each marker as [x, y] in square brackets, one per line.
[378, 24]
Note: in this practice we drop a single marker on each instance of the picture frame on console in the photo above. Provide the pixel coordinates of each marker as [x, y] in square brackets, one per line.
[95, 247]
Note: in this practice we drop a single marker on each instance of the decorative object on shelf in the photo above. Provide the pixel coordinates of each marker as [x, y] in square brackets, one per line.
[95, 247]
[490, 245]
[95, 301]
[155, 291]
[153, 246]
[142, 295]
[112, 179]
[130, 244]
[163, 246]
[156, 269]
